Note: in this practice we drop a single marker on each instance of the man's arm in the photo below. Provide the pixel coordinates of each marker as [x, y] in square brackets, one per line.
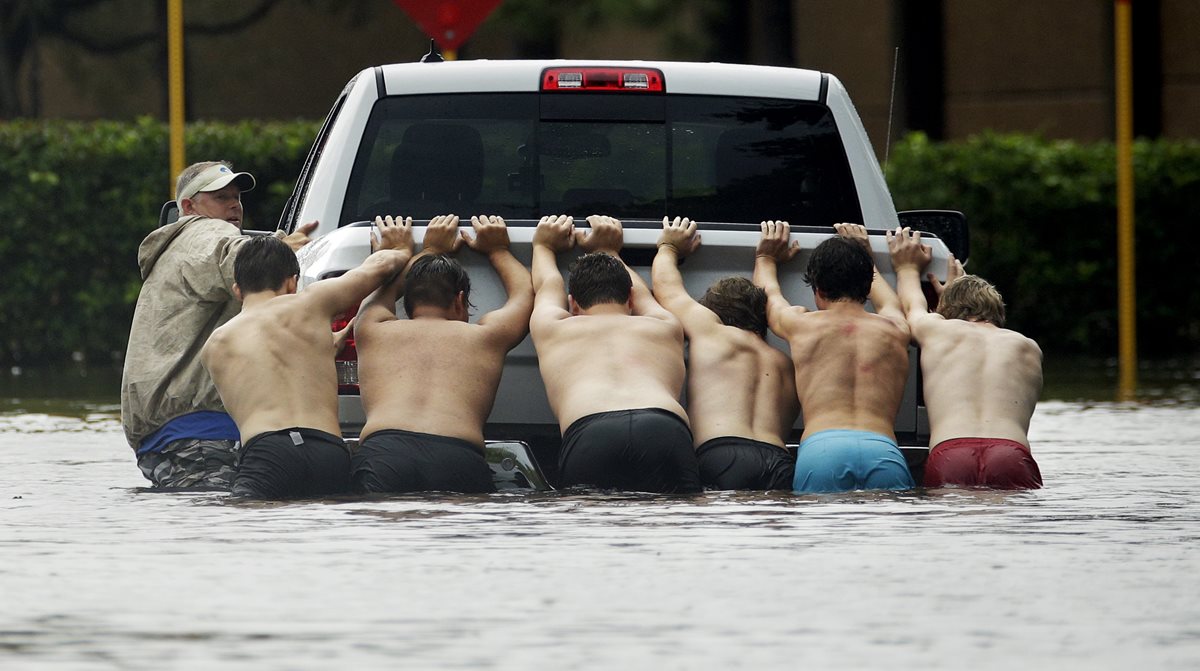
[299, 237]
[882, 296]
[678, 240]
[511, 321]
[388, 258]
[380, 306]
[774, 248]
[909, 259]
[554, 234]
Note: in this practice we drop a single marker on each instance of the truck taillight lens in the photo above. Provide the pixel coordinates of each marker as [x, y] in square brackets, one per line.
[602, 79]
[346, 361]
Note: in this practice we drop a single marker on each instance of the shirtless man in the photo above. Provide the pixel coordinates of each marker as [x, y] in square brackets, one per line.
[850, 364]
[428, 382]
[612, 361]
[982, 381]
[741, 390]
[273, 365]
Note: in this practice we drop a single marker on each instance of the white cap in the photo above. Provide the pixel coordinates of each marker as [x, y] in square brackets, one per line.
[214, 178]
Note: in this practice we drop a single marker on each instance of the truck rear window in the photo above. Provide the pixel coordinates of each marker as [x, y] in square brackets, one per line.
[523, 155]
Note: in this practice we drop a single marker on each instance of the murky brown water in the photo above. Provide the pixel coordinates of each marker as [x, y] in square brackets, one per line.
[1100, 569]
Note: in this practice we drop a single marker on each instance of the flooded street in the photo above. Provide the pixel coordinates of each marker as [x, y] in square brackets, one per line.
[1098, 570]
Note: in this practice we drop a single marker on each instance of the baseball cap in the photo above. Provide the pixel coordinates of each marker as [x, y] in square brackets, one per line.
[213, 178]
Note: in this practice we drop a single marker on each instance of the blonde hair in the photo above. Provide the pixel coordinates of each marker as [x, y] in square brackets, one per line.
[972, 298]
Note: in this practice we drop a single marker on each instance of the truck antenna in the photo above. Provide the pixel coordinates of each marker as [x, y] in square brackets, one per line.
[434, 56]
[887, 148]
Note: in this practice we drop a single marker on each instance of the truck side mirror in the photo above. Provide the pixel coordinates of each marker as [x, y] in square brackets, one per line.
[169, 213]
[949, 225]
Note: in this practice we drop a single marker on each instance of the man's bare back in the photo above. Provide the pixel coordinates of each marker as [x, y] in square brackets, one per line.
[980, 380]
[850, 367]
[606, 359]
[850, 364]
[601, 362]
[433, 373]
[274, 368]
[738, 384]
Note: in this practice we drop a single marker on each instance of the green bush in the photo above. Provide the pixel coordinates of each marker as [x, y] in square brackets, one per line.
[1042, 215]
[77, 200]
[79, 197]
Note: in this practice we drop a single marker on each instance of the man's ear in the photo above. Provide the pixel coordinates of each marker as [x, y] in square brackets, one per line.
[291, 284]
[186, 206]
[572, 306]
[237, 292]
[460, 306]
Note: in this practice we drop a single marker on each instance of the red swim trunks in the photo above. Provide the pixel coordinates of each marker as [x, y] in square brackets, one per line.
[982, 462]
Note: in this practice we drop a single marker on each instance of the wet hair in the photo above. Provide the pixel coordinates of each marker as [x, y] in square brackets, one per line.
[972, 298]
[435, 280]
[839, 269]
[738, 303]
[192, 171]
[598, 278]
[263, 264]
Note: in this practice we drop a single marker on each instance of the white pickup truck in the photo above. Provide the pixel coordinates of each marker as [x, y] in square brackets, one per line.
[726, 145]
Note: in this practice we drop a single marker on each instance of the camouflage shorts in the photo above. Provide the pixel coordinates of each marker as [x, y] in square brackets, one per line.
[192, 463]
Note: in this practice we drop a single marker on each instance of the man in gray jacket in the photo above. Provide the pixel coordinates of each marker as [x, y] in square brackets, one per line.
[170, 409]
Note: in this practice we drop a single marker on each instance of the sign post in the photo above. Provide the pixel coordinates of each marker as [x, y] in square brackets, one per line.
[448, 22]
[1126, 278]
[175, 87]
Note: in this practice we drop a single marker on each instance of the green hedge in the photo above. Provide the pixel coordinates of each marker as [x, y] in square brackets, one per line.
[1042, 216]
[77, 198]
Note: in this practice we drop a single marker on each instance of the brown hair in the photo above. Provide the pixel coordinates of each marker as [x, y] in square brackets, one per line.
[738, 303]
[598, 278]
[840, 269]
[972, 298]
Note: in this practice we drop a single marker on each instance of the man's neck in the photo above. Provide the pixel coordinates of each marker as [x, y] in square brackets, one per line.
[432, 312]
[606, 309]
[840, 305]
[257, 299]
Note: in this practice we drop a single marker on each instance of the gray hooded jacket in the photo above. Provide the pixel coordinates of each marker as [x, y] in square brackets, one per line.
[187, 292]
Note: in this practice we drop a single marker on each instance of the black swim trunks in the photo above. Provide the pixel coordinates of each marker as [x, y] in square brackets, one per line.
[292, 463]
[732, 462]
[647, 450]
[406, 461]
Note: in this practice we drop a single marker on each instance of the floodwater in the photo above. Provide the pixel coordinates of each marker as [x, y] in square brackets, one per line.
[1100, 569]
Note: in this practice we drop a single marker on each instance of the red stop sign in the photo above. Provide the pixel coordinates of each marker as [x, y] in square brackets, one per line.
[448, 22]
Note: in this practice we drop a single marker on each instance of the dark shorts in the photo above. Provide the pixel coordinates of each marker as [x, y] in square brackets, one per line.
[732, 462]
[982, 462]
[292, 463]
[841, 460]
[648, 450]
[406, 461]
[191, 463]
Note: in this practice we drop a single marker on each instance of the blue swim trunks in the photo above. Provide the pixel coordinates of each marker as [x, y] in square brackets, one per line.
[842, 460]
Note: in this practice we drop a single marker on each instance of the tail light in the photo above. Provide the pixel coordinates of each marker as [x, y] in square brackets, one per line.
[346, 360]
[602, 79]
